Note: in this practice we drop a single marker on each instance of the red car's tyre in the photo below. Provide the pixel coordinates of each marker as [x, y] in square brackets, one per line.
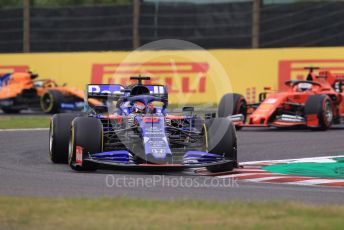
[320, 105]
[231, 104]
[220, 136]
[87, 133]
[59, 136]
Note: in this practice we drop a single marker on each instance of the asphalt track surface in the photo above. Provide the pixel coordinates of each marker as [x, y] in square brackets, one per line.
[25, 170]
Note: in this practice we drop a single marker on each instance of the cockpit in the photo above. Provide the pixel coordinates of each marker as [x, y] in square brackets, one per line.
[303, 86]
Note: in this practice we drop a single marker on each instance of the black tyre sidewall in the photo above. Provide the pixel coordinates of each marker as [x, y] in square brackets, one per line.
[231, 104]
[315, 104]
[86, 132]
[56, 98]
[60, 128]
[221, 137]
[222, 140]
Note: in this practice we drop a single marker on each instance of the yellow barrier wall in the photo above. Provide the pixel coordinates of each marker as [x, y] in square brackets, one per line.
[192, 76]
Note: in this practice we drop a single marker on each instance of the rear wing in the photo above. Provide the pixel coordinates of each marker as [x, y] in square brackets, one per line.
[104, 90]
[331, 77]
[339, 76]
[116, 90]
[157, 90]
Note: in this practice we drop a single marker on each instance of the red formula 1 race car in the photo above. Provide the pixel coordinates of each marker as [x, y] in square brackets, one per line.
[316, 103]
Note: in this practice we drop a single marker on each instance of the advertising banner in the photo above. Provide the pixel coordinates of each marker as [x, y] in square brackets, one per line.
[191, 76]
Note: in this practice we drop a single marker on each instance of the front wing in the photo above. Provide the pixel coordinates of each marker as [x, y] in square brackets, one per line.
[160, 166]
[123, 159]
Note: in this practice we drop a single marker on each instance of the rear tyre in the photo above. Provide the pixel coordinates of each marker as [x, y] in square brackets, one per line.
[231, 104]
[59, 135]
[51, 101]
[221, 139]
[87, 133]
[321, 106]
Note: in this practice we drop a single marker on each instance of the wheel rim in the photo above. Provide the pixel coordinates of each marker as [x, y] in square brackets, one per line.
[46, 101]
[328, 112]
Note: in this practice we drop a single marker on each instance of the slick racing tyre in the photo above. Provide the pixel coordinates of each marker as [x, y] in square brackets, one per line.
[87, 136]
[59, 136]
[220, 136]
[51, 101]
[321, 106]
[231, 104]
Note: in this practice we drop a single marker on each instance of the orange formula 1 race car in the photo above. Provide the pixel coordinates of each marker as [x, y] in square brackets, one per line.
[20, 91]
[316, 103]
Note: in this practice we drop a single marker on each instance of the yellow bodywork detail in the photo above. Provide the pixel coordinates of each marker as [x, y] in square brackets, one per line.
[206, 137]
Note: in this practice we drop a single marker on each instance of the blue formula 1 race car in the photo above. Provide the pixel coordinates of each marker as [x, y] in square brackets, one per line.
[133, 129]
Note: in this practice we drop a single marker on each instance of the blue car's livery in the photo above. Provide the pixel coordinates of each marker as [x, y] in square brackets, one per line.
[133, 129]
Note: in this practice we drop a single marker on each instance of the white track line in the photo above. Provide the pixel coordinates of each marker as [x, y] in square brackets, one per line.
[251, 170]
[295, 160]
[315, 181]
[19, 130]
[262, 179]
[245, 174]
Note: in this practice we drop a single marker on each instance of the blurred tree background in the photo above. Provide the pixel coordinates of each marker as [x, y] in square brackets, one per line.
[19, 3]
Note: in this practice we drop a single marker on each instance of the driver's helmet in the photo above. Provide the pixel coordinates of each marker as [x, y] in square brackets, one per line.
[151, 107]
[38, 84]
[139, 107]
[304, 86]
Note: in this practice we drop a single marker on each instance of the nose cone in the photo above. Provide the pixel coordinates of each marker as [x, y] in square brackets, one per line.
[257, 120]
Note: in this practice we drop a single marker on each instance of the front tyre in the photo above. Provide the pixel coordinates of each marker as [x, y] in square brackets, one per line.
[59, 135]
[221, 139]
[320, 107]
[86, 136]
[232, 104]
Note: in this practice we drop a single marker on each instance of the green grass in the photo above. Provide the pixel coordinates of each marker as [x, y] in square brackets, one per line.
[125, 213]
[20, 122]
